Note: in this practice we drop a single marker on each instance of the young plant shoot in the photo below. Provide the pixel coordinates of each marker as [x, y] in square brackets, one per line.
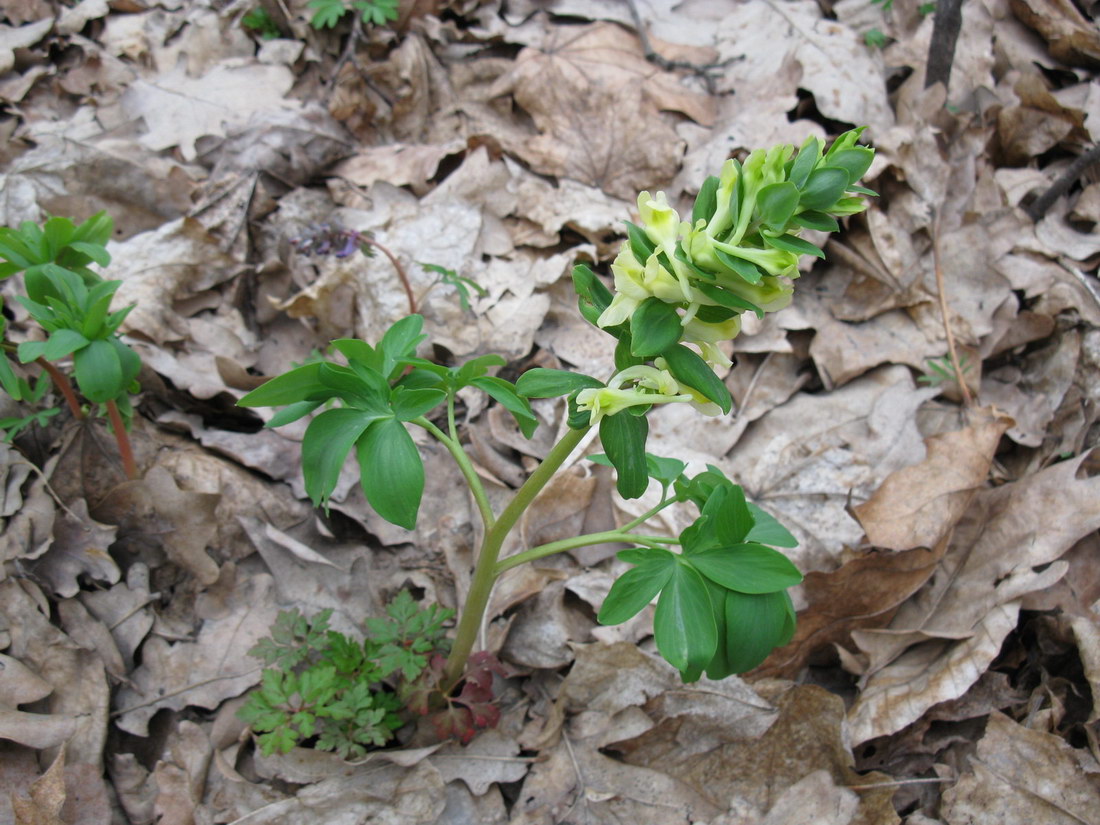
[680, 288]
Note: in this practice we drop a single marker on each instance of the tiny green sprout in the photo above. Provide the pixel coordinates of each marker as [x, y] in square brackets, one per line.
[875, 39]
[260, 21]
[462, 285]
[941, 370]
[330, 12]
[680, 289]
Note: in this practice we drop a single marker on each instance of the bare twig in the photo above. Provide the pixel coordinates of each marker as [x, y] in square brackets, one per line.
[348, 54]
[941, 49]
[706, 72]
[1042, 203]
[968, 400]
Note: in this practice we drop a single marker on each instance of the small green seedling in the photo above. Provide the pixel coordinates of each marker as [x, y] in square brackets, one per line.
[260, 21]
[941, 370]
[330, 12]
[345, 694]
[462, 285]
[681, 287]
[71, 303]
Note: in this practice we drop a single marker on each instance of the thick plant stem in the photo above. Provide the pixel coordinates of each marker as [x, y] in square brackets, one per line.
[485, 572]
[125, 452]
[64, 386]
[465, 467]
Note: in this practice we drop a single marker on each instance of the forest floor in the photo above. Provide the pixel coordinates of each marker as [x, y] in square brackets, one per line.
[946, 666]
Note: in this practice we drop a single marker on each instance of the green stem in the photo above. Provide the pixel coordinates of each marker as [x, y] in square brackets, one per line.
[468, 472]
[608, 536]
[485, 573]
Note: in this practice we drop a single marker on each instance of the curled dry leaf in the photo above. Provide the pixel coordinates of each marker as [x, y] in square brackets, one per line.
[154, 509]
[917, 506]
[1022, 775]
[79, 548]
[808, 735]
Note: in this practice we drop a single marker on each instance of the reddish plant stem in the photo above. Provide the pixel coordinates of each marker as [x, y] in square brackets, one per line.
[63, 385]
[400, 273]
[125, 451]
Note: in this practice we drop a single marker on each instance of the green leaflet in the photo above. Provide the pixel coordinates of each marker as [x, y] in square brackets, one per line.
[391, 472]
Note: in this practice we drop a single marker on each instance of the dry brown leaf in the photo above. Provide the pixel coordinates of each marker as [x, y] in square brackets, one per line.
[808, 459]
[1071, 38]
[1022, 775]
[155, 510]
[19, 684]
[919, 505]
[177, 261]
[46, 798]
[926, 674]
[181, 776]
[79, 548]
[78, 703]
[808, 736]
[123, 608]
[179, 109]
[490, 758]
[205, 672]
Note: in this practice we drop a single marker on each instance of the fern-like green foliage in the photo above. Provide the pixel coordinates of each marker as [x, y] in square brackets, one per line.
[341, 692]
[330, 12]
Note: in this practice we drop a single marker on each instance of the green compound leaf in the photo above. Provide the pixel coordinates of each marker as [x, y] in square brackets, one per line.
[688, 368]
[790, 243]
[623, 437]
[547, 383]
[98, 371]
[391, 472]
[768, 531]
[328, 12]
[747, 568]
[755, 624]
[327, 442]
[684, 625]
[638, 586]
[300, 384]
[654, 326]
[63, 342]
[408, 404]
[505, 394]
[824, 187]
[776, 203]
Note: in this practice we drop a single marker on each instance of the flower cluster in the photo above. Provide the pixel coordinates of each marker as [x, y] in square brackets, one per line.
[688, 282]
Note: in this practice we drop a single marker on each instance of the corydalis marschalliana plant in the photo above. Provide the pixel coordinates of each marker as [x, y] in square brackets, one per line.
[680, 289]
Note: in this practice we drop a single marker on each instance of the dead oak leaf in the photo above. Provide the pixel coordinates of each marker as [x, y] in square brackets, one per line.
[179, 109]
[79, 548]
[181, 522]
[1022, 775]
[47, 797]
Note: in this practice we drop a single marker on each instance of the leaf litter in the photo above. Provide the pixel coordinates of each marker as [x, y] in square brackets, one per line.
[946, 662]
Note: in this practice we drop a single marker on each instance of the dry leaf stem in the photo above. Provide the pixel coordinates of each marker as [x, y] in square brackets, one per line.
[1039, 208]
[968, 400]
